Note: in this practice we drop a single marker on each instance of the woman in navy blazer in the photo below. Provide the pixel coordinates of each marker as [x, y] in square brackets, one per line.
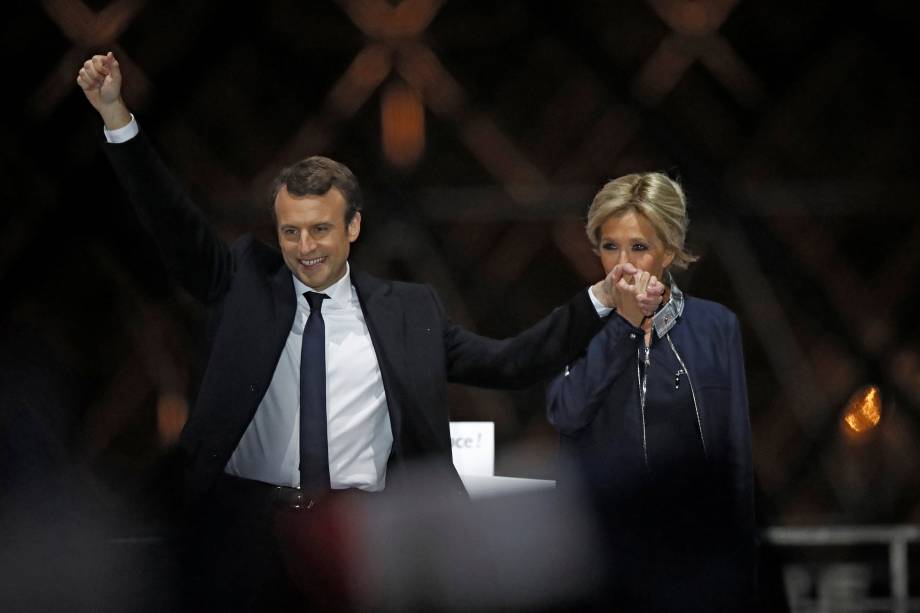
[653, 417]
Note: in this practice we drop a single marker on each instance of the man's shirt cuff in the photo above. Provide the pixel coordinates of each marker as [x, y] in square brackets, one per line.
[602, 309]
[122, 134]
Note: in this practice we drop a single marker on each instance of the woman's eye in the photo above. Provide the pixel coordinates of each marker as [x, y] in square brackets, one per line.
[608, 247]
[640, 247]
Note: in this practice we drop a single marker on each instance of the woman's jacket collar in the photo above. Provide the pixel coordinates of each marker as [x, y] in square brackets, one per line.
[667, 316]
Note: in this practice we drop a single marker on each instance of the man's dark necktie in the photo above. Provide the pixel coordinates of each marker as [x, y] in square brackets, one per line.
[314, 446]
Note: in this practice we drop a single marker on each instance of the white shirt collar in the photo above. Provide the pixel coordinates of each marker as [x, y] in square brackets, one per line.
[339, 292]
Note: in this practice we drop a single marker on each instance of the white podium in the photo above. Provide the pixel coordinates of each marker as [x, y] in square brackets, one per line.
[473, 447]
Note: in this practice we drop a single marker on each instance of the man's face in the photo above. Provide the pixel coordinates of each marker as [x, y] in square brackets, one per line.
[313, 235]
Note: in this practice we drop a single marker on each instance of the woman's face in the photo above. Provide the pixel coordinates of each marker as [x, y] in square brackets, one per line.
[630, 237]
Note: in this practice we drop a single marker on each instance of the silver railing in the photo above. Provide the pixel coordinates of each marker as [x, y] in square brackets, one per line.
[844, 586]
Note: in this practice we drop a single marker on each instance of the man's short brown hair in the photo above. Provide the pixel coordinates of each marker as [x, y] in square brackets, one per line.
[316, 175]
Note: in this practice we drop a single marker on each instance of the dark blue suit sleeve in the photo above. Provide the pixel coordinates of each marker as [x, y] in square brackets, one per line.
[575, 396]
[190, 248]
[533, 355]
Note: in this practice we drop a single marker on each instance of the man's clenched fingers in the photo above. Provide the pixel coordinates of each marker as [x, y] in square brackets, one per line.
[91, 73]
[100, 64]
[86, 81]
[625, 286]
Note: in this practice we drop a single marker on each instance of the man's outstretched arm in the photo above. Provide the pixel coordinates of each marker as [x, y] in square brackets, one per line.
[194, 254]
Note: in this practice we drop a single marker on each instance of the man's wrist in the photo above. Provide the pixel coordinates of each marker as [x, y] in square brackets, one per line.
[602, 309]
[122, 134]
[115, 115]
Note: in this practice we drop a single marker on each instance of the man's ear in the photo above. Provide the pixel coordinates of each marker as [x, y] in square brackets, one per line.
[354, 227]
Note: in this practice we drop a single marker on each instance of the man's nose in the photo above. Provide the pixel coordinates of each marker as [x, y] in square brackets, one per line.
[307, 244]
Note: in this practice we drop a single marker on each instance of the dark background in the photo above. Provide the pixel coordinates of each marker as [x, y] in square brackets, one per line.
[792, 125]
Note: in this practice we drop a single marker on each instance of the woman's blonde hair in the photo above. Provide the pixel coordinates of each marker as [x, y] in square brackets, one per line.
[656, 196]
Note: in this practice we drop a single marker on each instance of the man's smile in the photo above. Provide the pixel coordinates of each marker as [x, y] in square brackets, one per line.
[311, 262]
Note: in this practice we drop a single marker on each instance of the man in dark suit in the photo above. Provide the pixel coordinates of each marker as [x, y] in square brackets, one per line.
[320, 378]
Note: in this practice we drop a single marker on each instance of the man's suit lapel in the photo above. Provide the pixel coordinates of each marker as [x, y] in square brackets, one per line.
[386, 324]
[282, 287]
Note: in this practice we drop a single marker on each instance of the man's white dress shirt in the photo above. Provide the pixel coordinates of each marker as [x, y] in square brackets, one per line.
[357, 420]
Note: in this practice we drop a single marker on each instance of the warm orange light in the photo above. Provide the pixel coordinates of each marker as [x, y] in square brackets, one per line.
[864, 410]
[403, 124]
[172, 412]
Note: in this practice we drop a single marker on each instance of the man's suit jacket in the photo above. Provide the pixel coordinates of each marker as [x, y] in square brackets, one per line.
[251, 291]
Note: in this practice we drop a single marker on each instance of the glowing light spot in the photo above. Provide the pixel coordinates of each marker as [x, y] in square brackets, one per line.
[172, 412]
[864, 410]
[403, 124]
